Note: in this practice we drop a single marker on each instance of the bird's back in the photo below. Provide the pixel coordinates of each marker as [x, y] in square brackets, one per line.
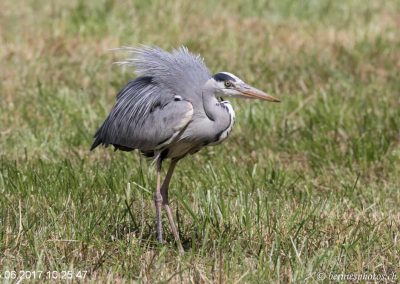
[144, 117]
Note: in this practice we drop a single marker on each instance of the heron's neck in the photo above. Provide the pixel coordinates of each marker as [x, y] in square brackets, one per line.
[215, 111]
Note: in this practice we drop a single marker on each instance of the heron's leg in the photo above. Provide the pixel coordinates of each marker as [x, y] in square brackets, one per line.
[158, 201]
[164, 193]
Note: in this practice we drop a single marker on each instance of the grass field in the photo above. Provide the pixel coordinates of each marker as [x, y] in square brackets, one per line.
[301, 190]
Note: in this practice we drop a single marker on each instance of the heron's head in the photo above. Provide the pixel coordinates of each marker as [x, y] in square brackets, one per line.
[227, 84]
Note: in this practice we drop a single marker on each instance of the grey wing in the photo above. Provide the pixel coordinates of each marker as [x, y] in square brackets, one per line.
[145, 117]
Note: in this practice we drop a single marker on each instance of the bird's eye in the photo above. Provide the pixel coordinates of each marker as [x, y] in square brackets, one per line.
[228, 84]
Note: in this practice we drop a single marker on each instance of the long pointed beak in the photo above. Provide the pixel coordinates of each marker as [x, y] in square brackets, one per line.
[251, 92]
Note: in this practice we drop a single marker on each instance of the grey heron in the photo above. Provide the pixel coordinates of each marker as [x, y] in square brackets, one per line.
[173, 108]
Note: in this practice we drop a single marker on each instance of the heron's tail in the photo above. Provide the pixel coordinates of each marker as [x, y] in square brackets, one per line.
[98, 138]
[97, 141]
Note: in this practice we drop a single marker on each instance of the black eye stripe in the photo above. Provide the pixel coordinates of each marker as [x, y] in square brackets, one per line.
[222, 77]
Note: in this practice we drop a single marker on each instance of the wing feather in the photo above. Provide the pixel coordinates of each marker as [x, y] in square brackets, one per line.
[146, 116]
